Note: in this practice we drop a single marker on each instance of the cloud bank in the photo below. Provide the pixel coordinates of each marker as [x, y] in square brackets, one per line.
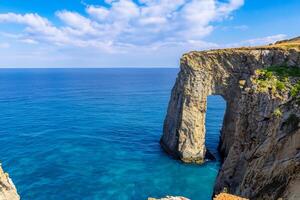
[125, 25]
[118, 33]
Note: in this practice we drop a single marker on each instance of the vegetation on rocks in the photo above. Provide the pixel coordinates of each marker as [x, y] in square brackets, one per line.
[277, 112]
[283, 71]
[295, 91]
[278, 80]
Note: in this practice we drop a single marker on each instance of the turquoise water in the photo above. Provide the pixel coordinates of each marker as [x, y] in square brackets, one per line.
[69, 134]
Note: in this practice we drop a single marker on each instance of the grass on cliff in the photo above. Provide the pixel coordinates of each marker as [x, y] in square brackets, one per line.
[283, 71]
[295, 91]
[278, 79]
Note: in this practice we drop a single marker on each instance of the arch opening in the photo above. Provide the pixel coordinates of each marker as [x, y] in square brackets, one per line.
[216, 107]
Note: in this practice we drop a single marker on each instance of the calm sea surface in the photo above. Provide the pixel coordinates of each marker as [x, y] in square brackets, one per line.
[74, 134]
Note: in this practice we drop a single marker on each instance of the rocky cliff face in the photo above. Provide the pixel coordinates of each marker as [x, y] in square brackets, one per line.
[7, 188]
[260, 137]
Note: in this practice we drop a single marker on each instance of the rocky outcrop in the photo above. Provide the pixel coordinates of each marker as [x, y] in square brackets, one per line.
[225, 196]
[7, 188]
[260, 137]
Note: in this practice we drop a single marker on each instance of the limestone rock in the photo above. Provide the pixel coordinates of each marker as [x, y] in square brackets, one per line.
[225, 196]
[7, 188]
[260, 137]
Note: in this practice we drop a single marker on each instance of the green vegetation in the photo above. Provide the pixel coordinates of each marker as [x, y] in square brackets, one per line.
[295, 91]
[267, 80]
[277, 112]
[278, 79]
[283, 71]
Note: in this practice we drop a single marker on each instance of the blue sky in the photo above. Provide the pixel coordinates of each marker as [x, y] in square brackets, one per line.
[135, 33]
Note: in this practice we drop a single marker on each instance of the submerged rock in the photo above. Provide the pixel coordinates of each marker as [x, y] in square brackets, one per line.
[260, 137]
[7, 188]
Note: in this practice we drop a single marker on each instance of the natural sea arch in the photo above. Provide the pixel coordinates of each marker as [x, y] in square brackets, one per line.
[203, 74]
[218, 72]
[254, 142]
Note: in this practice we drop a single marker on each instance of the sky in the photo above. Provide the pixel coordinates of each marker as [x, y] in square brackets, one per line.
[135, 33]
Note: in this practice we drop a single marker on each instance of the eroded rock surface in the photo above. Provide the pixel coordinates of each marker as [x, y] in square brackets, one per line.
[7, 188]
[260, 137]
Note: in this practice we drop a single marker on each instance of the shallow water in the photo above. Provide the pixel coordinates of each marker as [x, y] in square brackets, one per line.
[94, 134]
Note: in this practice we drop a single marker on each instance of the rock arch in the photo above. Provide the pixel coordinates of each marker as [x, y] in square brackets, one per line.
[220, 72]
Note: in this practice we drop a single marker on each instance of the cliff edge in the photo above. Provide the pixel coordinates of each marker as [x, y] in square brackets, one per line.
[260, 137]
[7, 188]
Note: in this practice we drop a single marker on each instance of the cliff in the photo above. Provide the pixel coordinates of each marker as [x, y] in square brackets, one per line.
[260, 137]
[7, 188]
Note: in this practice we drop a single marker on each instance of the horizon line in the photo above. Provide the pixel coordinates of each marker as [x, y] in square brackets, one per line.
[143, 67]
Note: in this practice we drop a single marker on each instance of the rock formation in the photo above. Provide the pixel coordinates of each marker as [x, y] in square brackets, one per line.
[260, 137]
[7, 188]
[225, 196]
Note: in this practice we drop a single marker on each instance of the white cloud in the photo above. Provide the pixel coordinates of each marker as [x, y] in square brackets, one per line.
[225, 9]
[29, 41]
[122, 25]
[31, 19]
[259, 41]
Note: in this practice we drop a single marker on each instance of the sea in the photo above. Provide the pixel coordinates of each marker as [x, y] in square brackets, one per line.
[93, 134]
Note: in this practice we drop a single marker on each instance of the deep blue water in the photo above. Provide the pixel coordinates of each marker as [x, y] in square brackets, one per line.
[68, 134]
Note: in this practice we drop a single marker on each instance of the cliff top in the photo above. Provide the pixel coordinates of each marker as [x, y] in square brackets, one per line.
[289, 44]
[293, 43]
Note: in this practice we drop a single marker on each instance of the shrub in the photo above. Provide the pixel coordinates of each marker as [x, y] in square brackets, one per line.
[280, 86]
[295, 89]
[278, 78]
[277, 112]
[284, 71]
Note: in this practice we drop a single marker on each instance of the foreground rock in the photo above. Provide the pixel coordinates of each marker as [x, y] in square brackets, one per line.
[225, 196]
[260, 139]
[7, 188]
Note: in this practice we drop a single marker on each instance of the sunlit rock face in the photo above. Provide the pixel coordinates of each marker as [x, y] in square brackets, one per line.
[7, 188]
[260, 147]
